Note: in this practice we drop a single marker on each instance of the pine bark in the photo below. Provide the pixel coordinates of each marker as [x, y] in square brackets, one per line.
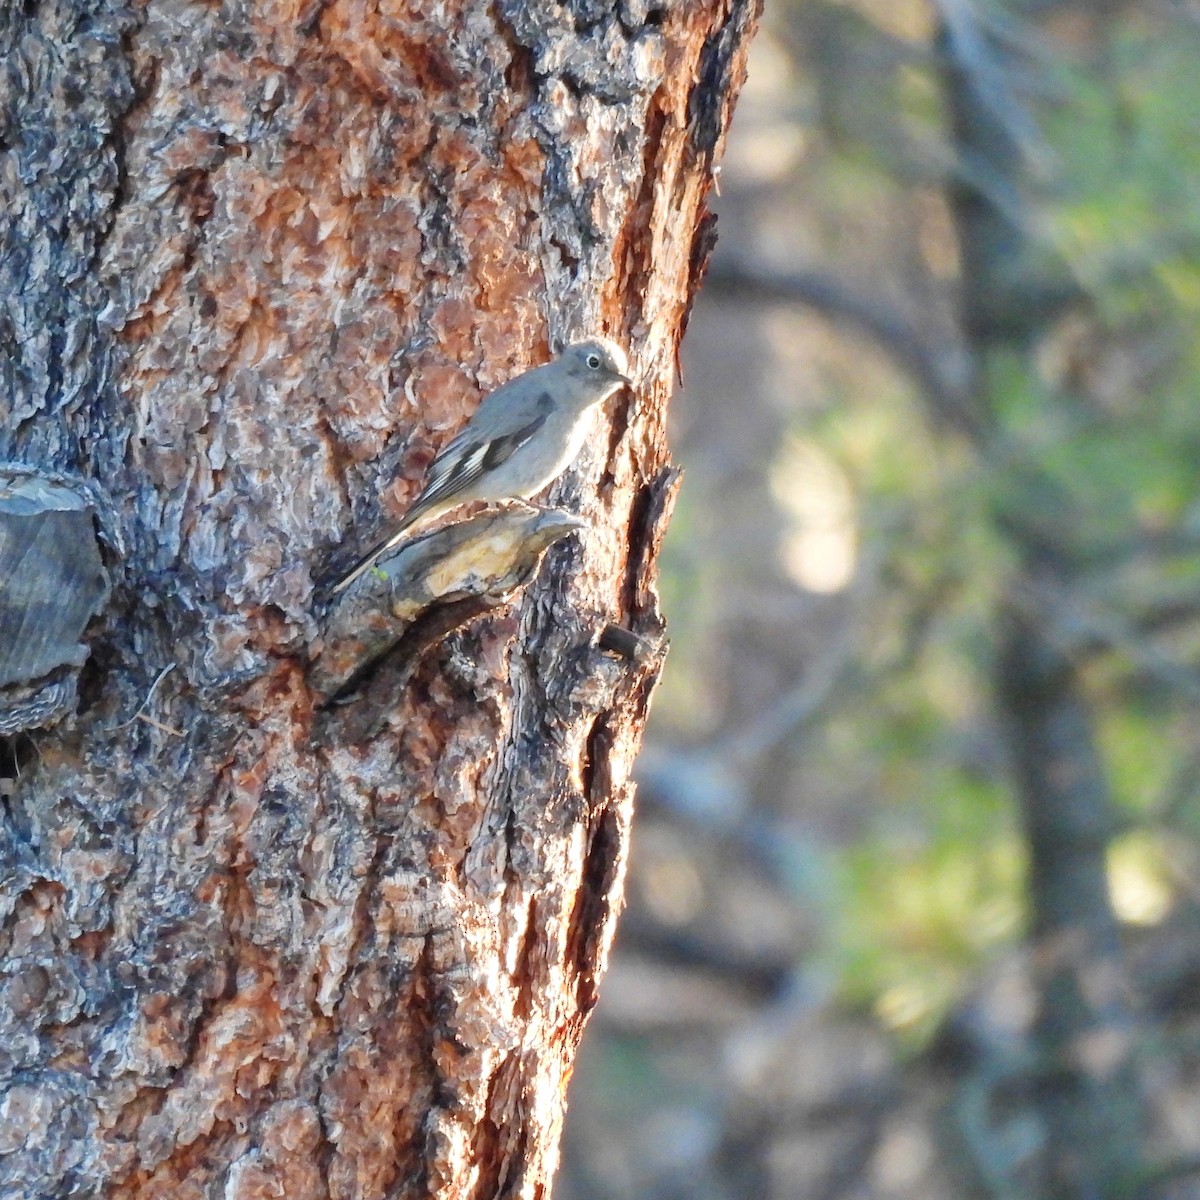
[259, 261]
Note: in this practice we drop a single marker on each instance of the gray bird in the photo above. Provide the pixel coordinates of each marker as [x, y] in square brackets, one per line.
[522, 436]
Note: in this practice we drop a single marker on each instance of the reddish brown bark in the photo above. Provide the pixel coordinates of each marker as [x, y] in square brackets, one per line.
[254, 949]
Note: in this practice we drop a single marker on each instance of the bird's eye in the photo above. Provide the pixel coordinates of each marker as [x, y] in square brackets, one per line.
[593, 361]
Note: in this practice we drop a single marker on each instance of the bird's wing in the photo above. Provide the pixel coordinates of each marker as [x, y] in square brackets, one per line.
[462, 461]
[469, 455]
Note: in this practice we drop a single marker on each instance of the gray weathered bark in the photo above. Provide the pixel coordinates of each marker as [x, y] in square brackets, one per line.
[258, 262]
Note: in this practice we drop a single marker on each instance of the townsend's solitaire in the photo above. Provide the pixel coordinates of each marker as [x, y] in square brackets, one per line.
[522, 436]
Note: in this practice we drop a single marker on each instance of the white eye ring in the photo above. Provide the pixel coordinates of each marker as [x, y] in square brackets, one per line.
[593, 361]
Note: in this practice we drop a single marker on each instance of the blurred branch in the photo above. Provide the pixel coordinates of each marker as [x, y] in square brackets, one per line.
[1001, 59]
[1156, 546]
[1179, 793]
[844, 1174]
[1166, 613]
[761, 978]
[838, 664]
[1075, 627]
[993, 1149]
[1172, 1172]
[945, 373]
[797, 706]
[866, 1105]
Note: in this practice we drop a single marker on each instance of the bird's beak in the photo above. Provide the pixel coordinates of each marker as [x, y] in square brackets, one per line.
[623, 378]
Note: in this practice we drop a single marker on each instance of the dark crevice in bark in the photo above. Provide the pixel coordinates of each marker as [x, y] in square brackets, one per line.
[648, 519]
[516, 1162]
[490, 1146]
[420, 1015]
[717, 74]
[309, 26]
[439, 223]
[593, 906]
[525, 975]
[326, 1149]
[570, 260]
[519, 74]
[359, 709]
[639, 532]
[593, 767]
[704, 244]
[18, 758]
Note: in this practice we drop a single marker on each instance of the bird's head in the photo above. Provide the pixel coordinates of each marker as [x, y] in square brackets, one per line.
[598, 364]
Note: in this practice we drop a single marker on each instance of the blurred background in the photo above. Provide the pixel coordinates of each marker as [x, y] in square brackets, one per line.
[914, 902]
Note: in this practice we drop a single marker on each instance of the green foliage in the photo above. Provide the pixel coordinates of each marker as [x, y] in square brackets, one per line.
[931, 890]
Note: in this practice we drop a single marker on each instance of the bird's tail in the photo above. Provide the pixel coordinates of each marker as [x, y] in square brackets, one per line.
[369, 559]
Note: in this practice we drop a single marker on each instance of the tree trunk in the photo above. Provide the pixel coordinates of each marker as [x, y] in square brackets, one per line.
[1086, 1083]
[259, 261]
[1085, 1088]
